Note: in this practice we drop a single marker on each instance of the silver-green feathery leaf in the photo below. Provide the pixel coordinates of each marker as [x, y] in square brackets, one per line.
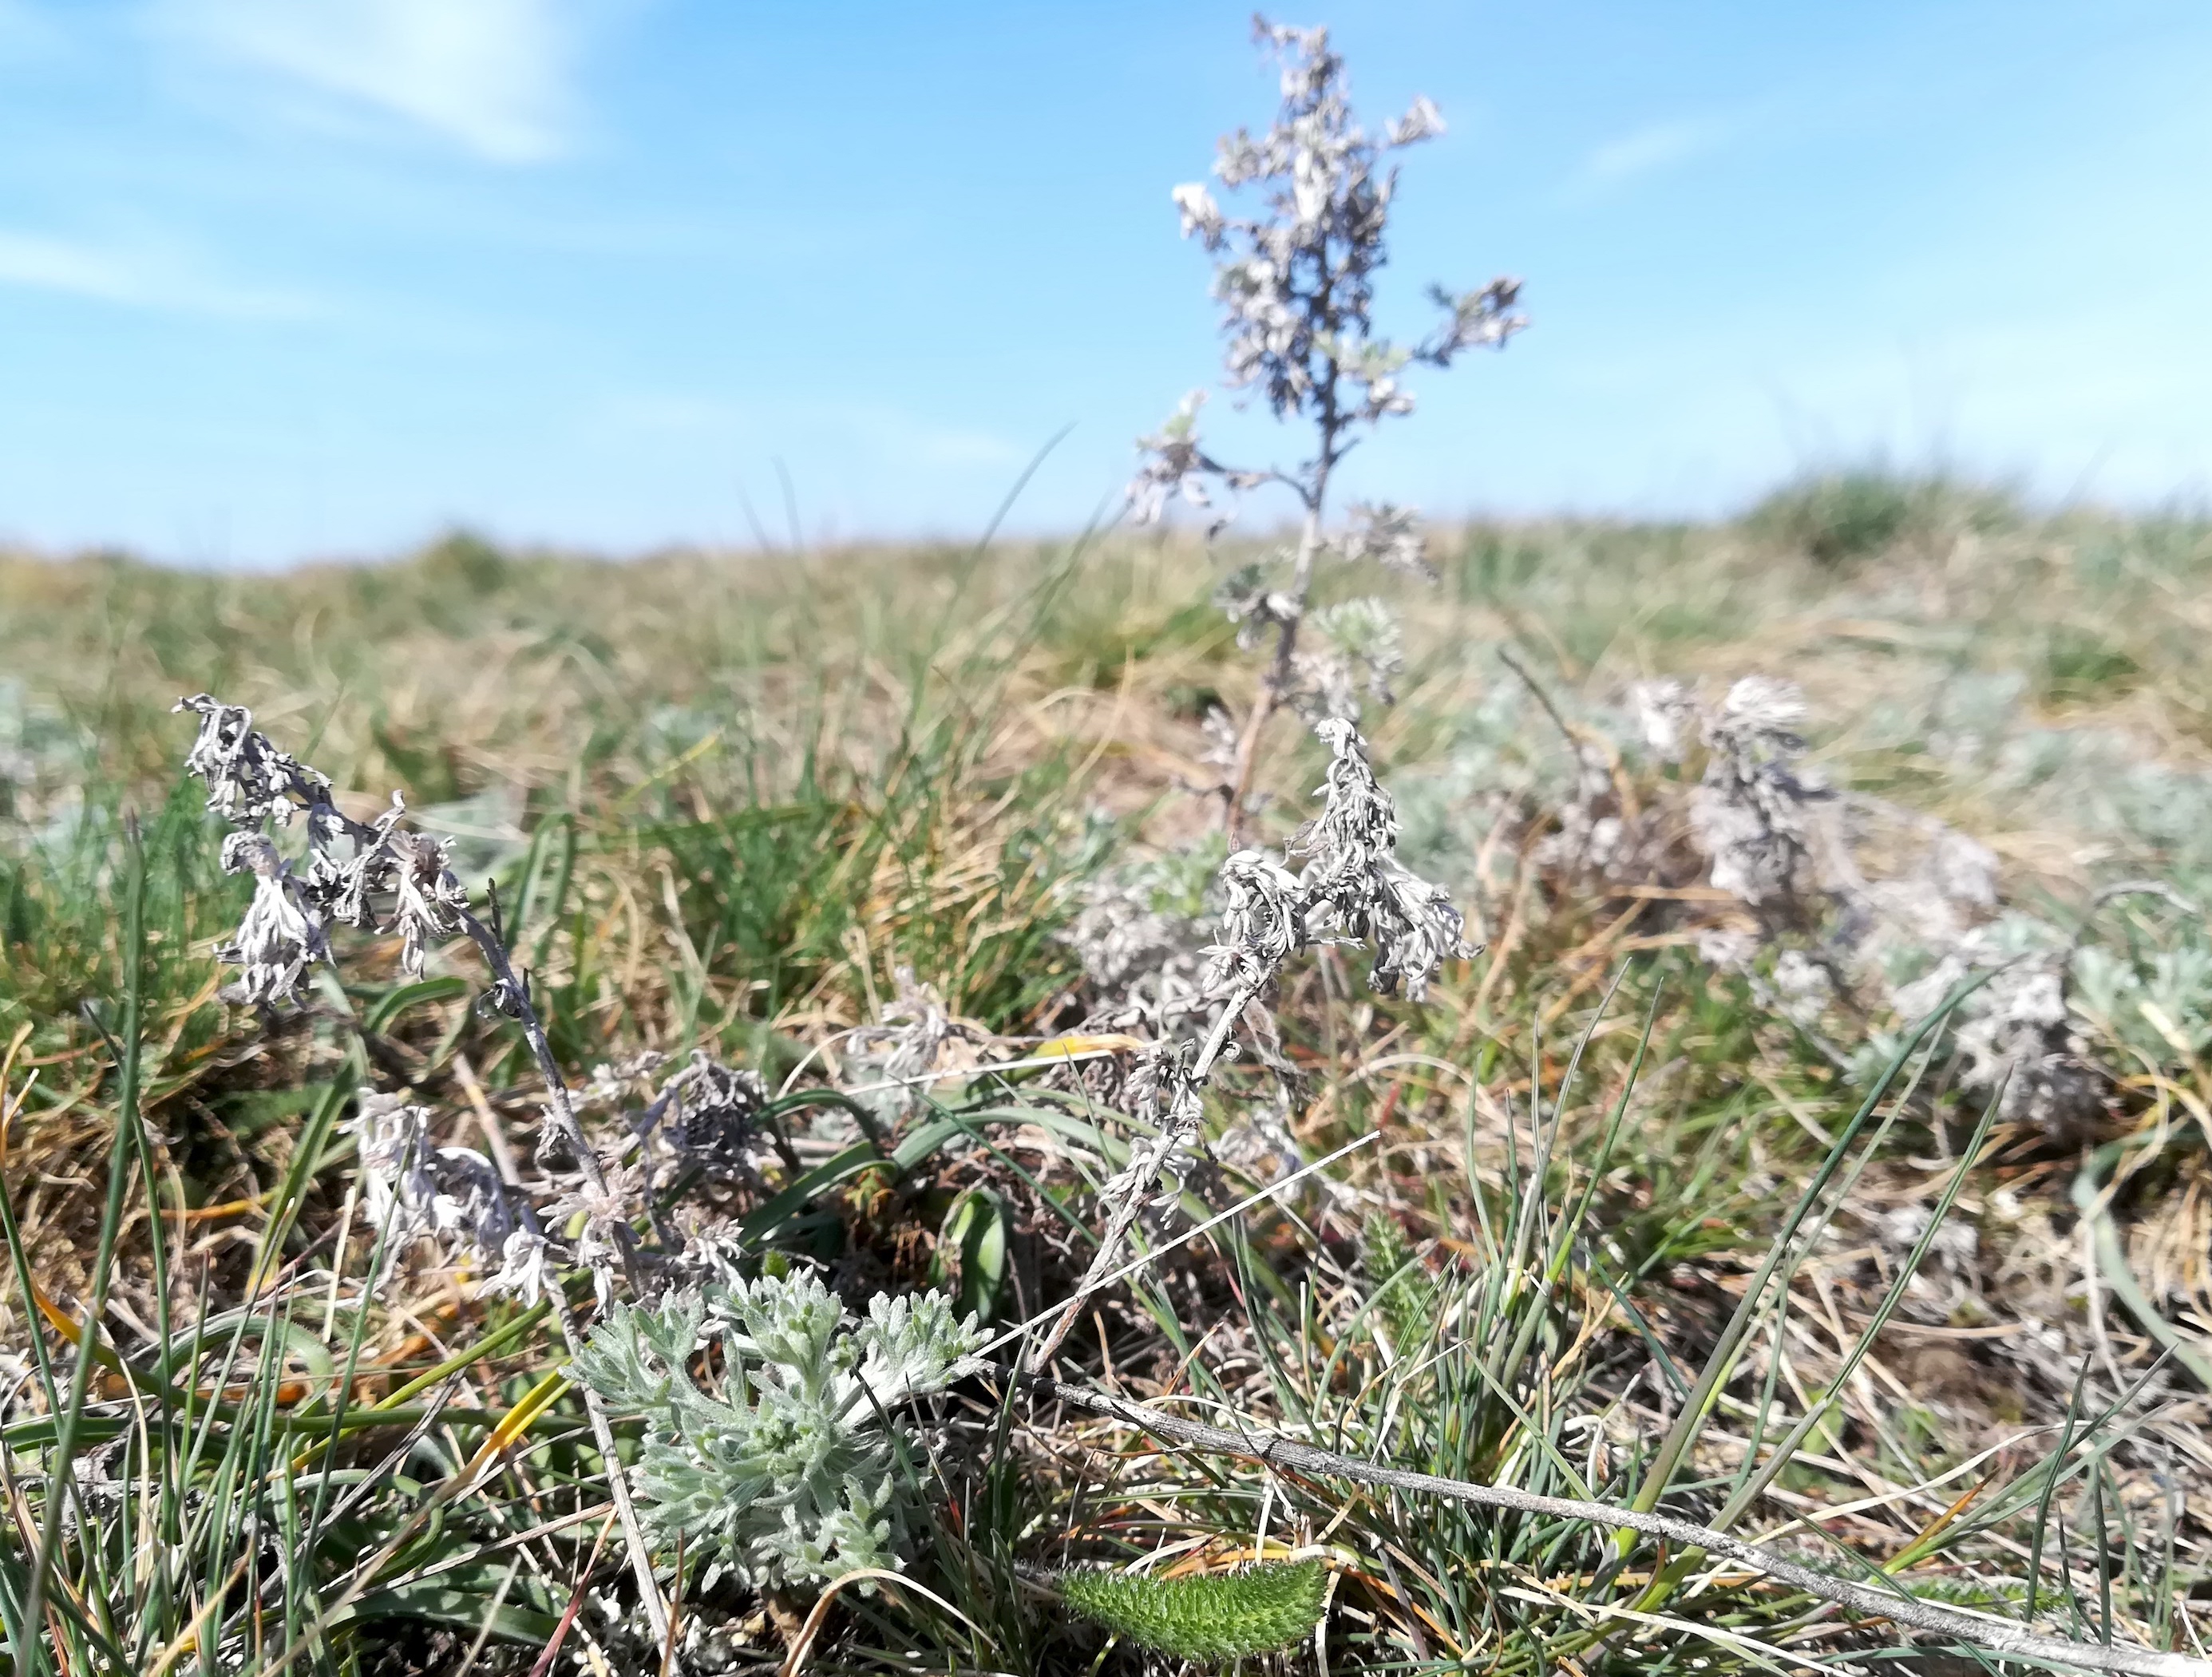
[790, 1471]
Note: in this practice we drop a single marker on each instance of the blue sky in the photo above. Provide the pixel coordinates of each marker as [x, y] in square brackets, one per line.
[290, 278]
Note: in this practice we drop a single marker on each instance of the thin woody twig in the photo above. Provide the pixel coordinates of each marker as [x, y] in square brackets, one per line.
[640, 1554]
[1257, 1443]
[1277, 681]
[1543, 698]
[563, 1111]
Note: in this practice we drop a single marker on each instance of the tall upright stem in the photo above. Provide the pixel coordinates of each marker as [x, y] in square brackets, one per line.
[562, 1111]
[1275, 684]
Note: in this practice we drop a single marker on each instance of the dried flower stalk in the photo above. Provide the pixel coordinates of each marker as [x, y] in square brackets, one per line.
[1296, 285]
[1352, 890]
[381, 877]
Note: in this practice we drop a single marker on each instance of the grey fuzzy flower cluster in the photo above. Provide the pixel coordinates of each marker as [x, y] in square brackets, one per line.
[1352, 890]
[249, 781]
[2020, 1044]
[453, 1196]
[713, 1113]
[1295, 283]
[1356, 889]
[378, 876]
[1749, 813]
[1390, 535]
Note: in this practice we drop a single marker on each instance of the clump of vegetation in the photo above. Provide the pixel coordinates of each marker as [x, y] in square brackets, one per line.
[1537, 1297]
[790, 1475]
[1838, 517]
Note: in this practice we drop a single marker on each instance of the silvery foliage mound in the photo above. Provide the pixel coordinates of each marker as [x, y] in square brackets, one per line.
[2055, 1016]
[790, 1471]
[1295, 280]
[2082, 996]
[1142, 934]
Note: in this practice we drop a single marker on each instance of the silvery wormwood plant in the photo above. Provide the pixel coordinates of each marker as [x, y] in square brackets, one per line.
[1351, 891]
[377, 876]
[1296, 284]
[792, 1472]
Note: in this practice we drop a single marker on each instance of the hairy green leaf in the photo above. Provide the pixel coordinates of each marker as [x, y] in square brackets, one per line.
[1212, 1617]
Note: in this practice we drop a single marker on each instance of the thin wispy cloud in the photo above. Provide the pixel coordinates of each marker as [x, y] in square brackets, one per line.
[56, 264]
[140, 278]
[659, 414]
[1653, 149]
[493, 76]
